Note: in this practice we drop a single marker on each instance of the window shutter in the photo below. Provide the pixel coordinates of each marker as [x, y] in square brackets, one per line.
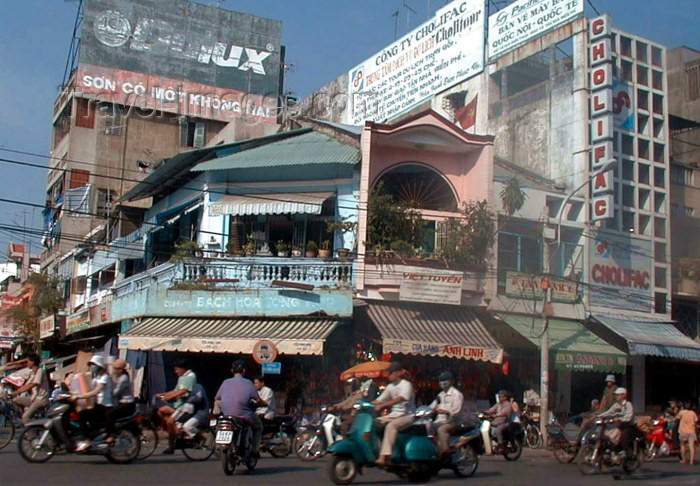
[199, 132]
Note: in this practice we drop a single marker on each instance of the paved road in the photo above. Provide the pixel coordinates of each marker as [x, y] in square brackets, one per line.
[535, 467]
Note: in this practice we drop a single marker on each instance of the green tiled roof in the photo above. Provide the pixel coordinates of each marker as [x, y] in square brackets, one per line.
[306, 149]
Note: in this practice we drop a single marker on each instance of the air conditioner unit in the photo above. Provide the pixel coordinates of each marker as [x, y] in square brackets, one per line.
[550, 232]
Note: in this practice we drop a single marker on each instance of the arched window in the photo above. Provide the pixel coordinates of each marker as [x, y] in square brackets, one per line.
[421, 187]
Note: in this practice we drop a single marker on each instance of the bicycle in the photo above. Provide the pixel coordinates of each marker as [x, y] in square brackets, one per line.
[11, 421]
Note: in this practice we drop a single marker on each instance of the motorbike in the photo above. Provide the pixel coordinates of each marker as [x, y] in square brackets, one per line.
[312, 440]
[234, 437]
[415, 453]
[598, 451]
[658, 440]
[42, 438]
[564, 440]
[277, 435]
[513, 438]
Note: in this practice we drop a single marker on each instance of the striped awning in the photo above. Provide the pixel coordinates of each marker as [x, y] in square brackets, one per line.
[433, 330]
[272, 203]
[291, 336]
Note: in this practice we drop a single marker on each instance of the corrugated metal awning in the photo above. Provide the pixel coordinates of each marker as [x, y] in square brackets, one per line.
[276, 203]
[647, 337]
[291, 336]
[574, 346]
[433, 330]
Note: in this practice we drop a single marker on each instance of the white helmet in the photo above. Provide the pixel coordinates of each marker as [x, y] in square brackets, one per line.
[620, 391]
[98, 360]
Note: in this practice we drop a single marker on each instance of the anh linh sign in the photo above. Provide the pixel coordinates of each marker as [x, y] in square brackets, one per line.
[440, 53]
[602, 118]
[521, 21]
[436, 286]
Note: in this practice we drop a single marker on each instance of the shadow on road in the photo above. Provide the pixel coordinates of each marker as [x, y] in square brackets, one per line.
[393, 479]
[649, 475]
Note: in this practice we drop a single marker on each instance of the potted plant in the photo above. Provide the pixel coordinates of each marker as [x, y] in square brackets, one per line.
[311, 249]
[249, 247]
[186, 249]
[345, 225]
[297, 251]
[282, 249]
[233, 247]
[325, 251]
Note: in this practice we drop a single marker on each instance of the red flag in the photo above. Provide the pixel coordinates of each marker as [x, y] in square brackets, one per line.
[466, 116]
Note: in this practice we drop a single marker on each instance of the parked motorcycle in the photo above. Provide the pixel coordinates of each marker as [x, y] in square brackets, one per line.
[513, 438]
[658, 440]
[312, 440]
[415, 454]
[234, 436]
[598, 451]
[42, 438]
[278, 435]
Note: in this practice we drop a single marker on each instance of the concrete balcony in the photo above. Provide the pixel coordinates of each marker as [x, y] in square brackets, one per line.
[251, 273]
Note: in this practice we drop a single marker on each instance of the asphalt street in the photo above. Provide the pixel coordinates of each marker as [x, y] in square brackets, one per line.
[535, 467]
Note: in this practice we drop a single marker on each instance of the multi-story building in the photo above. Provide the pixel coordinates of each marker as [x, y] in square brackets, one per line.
[683, 65]
[149, 79]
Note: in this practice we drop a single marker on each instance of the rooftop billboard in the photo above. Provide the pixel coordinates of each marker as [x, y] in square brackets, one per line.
[178, 56]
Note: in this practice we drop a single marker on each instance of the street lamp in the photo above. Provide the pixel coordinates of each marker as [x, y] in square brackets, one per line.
[547, 308]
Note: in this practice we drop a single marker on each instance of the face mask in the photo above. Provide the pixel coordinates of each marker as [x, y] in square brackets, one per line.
[95, 369]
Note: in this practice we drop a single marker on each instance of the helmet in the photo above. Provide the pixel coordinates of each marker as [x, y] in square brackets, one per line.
[97, 360]
[505, 393]
[119, 364]
[620, 391]
[446, 376]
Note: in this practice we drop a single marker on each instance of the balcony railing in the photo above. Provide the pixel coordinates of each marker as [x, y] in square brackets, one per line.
[265, 272]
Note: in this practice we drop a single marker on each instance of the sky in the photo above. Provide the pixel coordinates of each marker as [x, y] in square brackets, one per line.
[323, 39]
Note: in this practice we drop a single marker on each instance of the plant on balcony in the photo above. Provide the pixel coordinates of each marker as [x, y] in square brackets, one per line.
[186, 249]
[389, 221]
[297, 251]
[345, 225]
[282, 248]
[233, 247]
[469, 239]
[512, 196]
[403, 249]
[311, 249]
[325, 251]
[249, 246]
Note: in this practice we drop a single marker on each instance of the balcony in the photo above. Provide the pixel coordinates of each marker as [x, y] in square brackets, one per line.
[255, 273]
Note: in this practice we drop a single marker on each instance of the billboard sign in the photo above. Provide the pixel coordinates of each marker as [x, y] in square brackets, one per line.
[440, 53]
[47, 326]
[528, 286]
[524, 20]
[437, 286]
[620, 272]
[142, 51]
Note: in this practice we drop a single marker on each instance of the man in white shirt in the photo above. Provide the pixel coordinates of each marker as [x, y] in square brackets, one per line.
[266, 411]
[398, 396]
[448, 405]
[623, 411]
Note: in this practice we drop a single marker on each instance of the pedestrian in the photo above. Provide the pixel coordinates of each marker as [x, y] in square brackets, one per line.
[608, 397]
[267, 410]
[687, 423]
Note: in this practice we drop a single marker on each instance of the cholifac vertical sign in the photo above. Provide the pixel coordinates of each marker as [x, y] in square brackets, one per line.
[602, 118]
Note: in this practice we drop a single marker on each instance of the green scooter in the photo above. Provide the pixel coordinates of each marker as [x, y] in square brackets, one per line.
[415, 454]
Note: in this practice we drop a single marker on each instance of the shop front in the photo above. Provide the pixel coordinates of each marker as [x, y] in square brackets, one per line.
[581, 360]
[665, 363]
[428, 339]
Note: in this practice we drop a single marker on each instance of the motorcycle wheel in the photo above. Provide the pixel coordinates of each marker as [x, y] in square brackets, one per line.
[632, 464]
[29, 447]
[650, 452]
[466, 462]
[512, 450]
[7, 430]
[307, 446]
[149, 441]
[125, 448]
[564, 456]
[342, 469]
[585, 462]
[227, 462]
[533, 437]
[419, 472]
[201, 448]
[281, 450]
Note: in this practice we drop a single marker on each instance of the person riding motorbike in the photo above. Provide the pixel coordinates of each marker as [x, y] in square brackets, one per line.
[353, 393]
[448, 405]
[267, 410]
[238, 397]
[400, 397]
[104, 399]
[502, 413]
[193, 414]
[38, 384]
[623, 411]
[124, 402]
[186, 380]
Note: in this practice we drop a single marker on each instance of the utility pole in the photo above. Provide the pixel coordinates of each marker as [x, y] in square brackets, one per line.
[544, 359]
